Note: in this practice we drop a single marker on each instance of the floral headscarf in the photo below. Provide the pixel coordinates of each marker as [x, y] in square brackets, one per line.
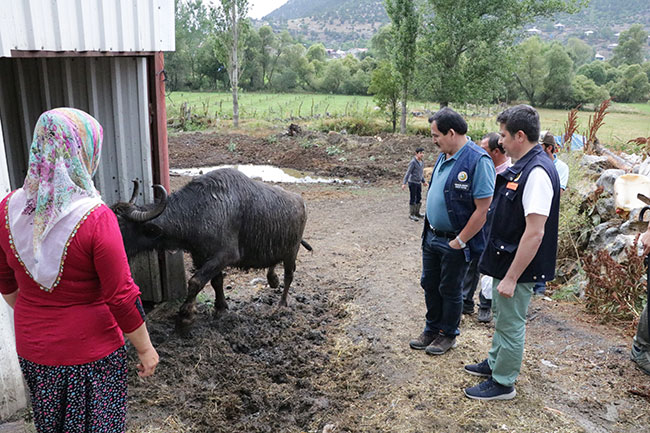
[58, 191]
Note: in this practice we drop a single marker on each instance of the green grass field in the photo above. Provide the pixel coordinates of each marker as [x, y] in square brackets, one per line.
[624, 121]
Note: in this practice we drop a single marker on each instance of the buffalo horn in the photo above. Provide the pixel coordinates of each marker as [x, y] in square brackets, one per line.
[136, 187]
[137, 215]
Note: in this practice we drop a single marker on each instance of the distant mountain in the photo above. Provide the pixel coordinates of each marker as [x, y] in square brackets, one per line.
[336, 23]
[351, 23]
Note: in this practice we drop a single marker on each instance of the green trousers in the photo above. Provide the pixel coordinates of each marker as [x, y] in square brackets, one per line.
[507, 349]
[642, 338]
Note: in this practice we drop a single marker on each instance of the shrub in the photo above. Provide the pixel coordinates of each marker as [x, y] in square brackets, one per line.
[615, 291]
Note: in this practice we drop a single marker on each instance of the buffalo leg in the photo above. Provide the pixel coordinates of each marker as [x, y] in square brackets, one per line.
[289, 268]
[209, 270]
[272, 278]
[220, 304]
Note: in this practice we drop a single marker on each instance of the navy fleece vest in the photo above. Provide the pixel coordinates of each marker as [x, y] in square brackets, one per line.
[508, 222]
[458, 194]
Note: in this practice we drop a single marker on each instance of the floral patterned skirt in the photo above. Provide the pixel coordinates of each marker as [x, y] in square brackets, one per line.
[79, 398]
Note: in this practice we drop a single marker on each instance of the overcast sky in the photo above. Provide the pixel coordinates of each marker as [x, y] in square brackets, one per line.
[258, 8]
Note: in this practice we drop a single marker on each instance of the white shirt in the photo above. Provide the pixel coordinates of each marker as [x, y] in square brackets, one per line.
[538, 193]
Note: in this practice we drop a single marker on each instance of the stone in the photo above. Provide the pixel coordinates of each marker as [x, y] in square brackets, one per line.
[607, 179]
[595, 163]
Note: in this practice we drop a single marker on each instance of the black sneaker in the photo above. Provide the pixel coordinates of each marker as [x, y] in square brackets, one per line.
[469, 310]
[441, 345]
[481, 369]
[491, 390]
[422, 341]
[484, 315]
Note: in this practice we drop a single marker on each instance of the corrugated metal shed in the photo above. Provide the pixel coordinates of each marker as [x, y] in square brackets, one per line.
[86, 25]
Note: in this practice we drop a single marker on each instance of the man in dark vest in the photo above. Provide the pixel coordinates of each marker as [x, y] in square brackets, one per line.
[459, 195]
[521, 248]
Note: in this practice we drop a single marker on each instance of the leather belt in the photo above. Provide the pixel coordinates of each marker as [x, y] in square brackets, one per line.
[443, 234]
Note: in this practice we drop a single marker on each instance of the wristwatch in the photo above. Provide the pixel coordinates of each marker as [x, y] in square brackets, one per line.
[460, 242]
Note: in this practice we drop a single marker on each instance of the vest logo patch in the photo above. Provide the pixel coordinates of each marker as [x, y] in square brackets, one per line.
[462, 176]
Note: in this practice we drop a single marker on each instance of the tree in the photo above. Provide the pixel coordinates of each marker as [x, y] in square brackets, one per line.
[267, 40]
[579, 51]
[380, 43]
[557, 83]
[335, 74]
[584, 90]
[404, 30]
[595, 71]
[460, 34]
[530, 69]
[385, 87]
[316, 52]
[192, 28]
[230, 20]
[630, 49]
[632, 86]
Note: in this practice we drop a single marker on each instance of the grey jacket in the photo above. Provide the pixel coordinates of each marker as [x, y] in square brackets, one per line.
[414, 172]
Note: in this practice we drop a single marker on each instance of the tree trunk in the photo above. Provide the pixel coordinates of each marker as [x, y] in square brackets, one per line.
[402, 123]
[234, 78]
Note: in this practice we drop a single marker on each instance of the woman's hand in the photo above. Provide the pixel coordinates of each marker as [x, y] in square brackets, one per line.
[148, 362]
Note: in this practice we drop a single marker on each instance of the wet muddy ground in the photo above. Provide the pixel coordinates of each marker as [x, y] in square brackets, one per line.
[337, 358]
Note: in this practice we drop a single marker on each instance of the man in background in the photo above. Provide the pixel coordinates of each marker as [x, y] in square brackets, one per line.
[414, 177]
[489, 143]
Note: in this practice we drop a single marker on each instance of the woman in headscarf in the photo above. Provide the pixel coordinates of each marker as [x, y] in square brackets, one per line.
[64, 271]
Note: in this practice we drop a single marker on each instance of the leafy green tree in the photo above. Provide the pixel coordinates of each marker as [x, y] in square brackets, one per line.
[595, 71]
[646, 68]
[461, 34]
[192, 27]
[380, 43]
[316, 52]
[209, 65]
[384, 85]
[230, 20]
[267, 41]
[280, 45]
[579, 51]
[584, 90]
[631, 46]
[334, 75]
[357, 84]
[405, 21]
[632, 86]
[530, 68]
[252, 77]
[557, 83]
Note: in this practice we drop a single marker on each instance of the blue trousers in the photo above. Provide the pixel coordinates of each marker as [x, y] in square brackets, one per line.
[443, 270]
[415, 190]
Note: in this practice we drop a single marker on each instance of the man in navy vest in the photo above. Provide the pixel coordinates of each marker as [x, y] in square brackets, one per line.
[458, 199]
[521, 248]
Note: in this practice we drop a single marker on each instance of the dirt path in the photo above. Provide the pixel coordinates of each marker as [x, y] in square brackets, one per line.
[337, 359]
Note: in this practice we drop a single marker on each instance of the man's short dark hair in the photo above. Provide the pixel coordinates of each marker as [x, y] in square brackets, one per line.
[447, 119]
[521, 118]
[493, 141]
[419, 150]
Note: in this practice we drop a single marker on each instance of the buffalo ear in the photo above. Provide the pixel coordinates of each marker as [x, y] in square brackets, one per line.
[152, 231]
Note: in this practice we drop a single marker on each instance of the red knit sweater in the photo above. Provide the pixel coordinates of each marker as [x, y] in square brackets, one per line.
[80, 320]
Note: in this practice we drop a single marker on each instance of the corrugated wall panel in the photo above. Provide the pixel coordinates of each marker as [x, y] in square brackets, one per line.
[113, 90]
[86, 25]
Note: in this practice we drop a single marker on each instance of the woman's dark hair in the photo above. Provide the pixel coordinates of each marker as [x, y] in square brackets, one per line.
[447, 119]
[493, 141]
[521, 118]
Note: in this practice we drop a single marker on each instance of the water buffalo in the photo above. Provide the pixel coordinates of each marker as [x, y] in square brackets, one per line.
[222, 219]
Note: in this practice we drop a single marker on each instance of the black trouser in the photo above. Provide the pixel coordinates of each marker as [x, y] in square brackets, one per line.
[416, 193]
[470, 282]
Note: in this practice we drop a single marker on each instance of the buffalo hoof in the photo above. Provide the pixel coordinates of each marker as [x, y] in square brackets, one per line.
[184, 324]
[274, 281]
[220, 311]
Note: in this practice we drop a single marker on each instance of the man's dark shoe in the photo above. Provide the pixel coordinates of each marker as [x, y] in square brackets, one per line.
[422, 341]
[441, 345]
[469, 310]
[491, 390]
[641, 358]
[484, 315]
[481, 369]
